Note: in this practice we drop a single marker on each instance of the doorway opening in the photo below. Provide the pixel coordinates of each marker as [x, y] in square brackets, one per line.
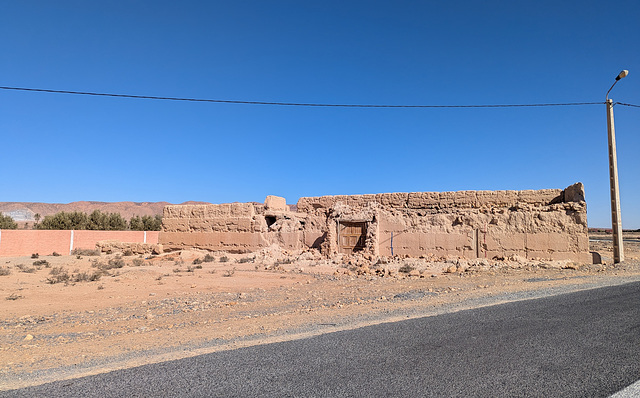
[351, 236]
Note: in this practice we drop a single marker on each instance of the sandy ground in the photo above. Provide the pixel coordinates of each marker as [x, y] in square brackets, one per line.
[56, 322]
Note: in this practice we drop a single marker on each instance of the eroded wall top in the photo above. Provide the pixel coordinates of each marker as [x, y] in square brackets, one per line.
[440, 200]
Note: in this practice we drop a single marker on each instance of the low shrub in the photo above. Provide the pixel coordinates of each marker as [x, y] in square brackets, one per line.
[86, 276]
[4, 271]
[24, 268]
[35, 255]
[406, 268]
[58, 275]
[137, 262]
[208, 258]
[13, 296]
[224, 259]
[116, 262]
[41, 263]
[85, 252]
[56, 270]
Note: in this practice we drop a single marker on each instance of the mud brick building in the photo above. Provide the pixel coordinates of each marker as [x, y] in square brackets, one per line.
[541, 224]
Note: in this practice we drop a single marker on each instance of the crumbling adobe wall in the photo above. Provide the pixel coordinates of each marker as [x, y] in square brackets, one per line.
[543, 224]
[232, 227]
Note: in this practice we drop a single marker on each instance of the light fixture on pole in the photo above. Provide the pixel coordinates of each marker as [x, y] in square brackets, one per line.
[616, 221]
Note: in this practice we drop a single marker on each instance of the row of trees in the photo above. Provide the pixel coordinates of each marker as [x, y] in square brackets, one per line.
[95, 221]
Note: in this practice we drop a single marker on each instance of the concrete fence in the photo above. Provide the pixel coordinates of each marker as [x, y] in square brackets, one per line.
[15, 242]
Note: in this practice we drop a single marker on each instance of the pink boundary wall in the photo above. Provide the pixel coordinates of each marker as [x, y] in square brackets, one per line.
[14, 242]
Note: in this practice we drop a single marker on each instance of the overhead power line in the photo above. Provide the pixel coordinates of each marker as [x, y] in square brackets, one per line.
[42, 90]
[623, 104]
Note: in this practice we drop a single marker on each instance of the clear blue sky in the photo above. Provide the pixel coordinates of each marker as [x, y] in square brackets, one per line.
[63, 148]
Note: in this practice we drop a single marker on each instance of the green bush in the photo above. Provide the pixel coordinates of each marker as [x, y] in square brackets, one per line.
[64, 220]
[145, 223]
[98, 221]
[6, 222]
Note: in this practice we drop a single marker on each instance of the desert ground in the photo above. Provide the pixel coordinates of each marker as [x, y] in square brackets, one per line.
[68, 316]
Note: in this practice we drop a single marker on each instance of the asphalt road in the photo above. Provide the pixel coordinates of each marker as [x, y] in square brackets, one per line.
[584, 344]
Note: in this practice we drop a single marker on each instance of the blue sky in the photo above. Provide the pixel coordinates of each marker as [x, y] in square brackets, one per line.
[63, 148]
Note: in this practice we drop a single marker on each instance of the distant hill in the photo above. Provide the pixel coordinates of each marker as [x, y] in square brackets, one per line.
[25, 211]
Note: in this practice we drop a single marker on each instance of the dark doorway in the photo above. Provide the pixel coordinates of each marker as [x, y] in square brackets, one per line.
[270, 220]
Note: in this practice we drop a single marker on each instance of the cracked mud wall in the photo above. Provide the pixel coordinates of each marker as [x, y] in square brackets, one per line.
[232, 227]
[541, 224]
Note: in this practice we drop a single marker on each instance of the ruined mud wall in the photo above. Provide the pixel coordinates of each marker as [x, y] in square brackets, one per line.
[544, 224]
[232, 227]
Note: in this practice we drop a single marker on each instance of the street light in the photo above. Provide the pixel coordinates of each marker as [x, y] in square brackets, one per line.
[616, 221]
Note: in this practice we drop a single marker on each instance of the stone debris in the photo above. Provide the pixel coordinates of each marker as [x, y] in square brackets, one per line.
[114, 246]
[311, 261]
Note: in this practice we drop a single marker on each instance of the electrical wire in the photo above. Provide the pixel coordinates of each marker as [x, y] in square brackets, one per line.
[296, 103]
[623, 104]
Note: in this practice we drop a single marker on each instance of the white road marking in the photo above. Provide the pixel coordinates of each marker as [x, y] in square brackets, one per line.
[631, 391]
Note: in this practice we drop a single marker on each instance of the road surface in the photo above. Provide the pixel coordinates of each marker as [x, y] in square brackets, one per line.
[584, 344]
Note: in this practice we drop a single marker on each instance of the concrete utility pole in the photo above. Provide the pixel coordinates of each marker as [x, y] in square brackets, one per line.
[616, 221]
